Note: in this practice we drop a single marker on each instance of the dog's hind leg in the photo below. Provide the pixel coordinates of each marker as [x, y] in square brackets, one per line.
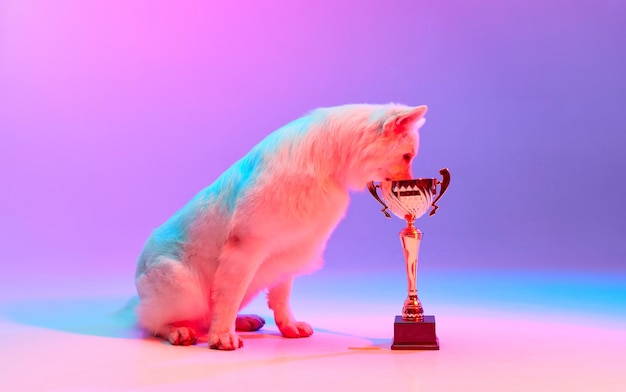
[249, 322]
[172, 304]
[177, 334]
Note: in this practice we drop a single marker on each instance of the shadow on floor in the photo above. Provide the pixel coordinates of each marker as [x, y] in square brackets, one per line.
[105, 317]
[114, 318]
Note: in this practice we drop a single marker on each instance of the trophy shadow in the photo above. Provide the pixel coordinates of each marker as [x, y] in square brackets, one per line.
[371, 346]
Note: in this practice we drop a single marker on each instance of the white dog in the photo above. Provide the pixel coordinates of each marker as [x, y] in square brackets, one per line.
[265, 220]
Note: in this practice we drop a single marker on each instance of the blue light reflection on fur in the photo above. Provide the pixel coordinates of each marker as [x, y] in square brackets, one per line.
[243, 174]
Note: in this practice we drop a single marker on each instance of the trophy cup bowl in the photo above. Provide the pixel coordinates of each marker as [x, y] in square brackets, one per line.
[409, 200]
[410, 197]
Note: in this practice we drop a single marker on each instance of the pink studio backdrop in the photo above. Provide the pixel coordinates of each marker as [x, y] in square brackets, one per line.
[114, 113]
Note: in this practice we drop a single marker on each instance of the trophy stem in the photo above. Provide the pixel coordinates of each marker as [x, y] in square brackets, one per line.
[411, 239]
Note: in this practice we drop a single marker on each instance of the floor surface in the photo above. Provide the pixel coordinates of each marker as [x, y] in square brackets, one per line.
[497, 333]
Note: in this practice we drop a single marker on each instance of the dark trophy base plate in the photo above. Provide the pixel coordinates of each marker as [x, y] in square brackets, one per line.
[415, 335]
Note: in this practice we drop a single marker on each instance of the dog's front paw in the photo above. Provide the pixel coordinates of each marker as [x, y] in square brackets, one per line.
[225, 341]
[296, 329]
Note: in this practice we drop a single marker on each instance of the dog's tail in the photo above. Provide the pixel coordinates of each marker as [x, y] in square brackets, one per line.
[126, 317]
[129, 309]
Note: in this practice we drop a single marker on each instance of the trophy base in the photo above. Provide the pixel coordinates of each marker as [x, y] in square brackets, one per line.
[415, 335]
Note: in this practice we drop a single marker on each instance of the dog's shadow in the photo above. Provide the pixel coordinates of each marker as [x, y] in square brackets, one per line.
[109, 317]
[104, 317]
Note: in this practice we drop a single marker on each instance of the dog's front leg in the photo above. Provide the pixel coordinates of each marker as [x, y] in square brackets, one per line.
[239, 262]
[278, 301]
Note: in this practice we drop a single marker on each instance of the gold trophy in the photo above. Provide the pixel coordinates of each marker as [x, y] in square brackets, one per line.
[409, 200]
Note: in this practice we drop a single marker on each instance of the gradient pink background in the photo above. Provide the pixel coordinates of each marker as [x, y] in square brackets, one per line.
[113, 114]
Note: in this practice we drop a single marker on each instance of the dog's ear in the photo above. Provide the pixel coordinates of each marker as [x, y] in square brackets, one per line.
[404, 121]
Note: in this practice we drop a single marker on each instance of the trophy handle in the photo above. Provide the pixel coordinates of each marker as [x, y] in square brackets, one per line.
[372, 188]
[445, 174]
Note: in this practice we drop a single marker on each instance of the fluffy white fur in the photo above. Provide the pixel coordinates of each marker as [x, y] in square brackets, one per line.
[265, 220]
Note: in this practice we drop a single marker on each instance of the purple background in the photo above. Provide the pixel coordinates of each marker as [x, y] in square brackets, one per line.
[113, 114]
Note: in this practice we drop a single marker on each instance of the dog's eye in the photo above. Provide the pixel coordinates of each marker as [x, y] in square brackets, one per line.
[407, 157]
